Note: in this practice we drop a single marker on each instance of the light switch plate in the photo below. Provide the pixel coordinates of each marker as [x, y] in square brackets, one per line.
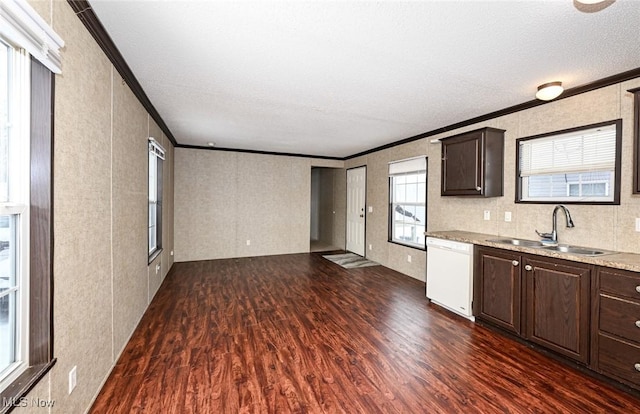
[507, 216]
[487, 214]
[638, 224]
[370, 209]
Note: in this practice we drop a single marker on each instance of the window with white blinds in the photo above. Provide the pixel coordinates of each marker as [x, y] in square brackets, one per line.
[577, 166]
[156, 156]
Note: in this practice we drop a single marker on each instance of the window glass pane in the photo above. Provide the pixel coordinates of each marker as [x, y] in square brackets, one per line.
[7, 331]
[152, 226]
[152, 239]
[7, 251]
[4, 122]
[8, 291]
[412, 193]
[574, 190]
[400, 193]
[152, 177]
[565, 186]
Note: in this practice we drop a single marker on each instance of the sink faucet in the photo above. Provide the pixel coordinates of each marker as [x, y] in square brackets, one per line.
[553, 236]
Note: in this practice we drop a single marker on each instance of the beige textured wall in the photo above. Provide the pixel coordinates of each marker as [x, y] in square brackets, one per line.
[101, 278]
[223, 199]
[607, 227]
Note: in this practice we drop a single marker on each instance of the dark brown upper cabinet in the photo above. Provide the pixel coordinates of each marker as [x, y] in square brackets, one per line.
[636, 142]
[472, 163]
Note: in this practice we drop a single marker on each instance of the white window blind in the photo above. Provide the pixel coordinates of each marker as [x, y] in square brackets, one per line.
[156, 149]
[586, 150]
[21, 25]
[407, 166]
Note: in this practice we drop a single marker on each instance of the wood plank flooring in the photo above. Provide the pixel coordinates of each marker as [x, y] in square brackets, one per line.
[297, 333]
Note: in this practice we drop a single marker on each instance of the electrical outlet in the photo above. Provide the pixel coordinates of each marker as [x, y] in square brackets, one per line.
[409, 258]
[371, 247]
[157, 268]
[507, 216]
[487, 214]
[638, 224]
[248, 242]
[72, 379]
[171, 254]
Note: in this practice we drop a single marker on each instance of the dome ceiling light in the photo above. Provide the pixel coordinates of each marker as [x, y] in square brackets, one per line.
[549, 91]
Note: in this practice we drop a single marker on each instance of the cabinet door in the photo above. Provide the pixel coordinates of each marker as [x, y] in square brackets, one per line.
[462, 165]
[557, 306]
[498, 288]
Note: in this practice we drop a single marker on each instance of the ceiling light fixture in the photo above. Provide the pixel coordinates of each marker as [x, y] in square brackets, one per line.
[590, 1]
[549, 91]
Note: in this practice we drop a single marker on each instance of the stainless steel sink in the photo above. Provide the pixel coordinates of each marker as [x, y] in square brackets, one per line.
[581, 251]
[518, 242]
[562, 248]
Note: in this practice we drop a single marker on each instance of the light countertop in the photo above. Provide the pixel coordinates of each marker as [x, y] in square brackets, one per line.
[626, 261]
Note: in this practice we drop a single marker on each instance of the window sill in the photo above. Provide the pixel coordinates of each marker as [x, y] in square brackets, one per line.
[13, 395]
[154, 255]
[424, 249]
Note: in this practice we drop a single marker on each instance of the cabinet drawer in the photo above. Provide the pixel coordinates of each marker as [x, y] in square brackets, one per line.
[620, 317]
[619, 358]
[620, 282]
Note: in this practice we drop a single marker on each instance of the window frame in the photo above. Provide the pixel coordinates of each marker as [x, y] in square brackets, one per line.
[39, 321]
[391, 209]
[157, 153]
[617, 167]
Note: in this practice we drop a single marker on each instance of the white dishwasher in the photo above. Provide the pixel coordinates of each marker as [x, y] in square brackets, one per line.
[450, 275]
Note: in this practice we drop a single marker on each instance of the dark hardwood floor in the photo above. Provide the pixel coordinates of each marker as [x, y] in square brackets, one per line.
[297, 333]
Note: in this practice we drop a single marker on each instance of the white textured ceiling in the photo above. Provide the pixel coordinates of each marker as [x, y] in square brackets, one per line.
[337, 78]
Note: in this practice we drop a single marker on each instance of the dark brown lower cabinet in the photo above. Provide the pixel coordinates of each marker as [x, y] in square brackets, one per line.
[498, 288]
[557, 306]
[590, 314]
[615, 347]
[542, 299]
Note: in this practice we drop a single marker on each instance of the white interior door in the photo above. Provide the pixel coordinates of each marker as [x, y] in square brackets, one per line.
[356, 187]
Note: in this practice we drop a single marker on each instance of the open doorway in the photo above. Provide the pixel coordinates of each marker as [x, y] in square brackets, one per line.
[327, 210]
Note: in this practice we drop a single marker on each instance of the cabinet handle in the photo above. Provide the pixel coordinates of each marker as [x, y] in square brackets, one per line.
[528, 268]
[638, 288]
[637, 367]
[515, 263]
[638, 324]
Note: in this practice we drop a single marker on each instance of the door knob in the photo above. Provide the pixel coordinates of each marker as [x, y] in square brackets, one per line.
[515, 263]
[528, 267]
[638, 324]
[637, 367]
[638, 289]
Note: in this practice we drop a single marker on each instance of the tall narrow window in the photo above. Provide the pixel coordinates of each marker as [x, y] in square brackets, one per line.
[29, 56]
[408, 202]
[14, 211]
[581, 165]
[156, 156]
